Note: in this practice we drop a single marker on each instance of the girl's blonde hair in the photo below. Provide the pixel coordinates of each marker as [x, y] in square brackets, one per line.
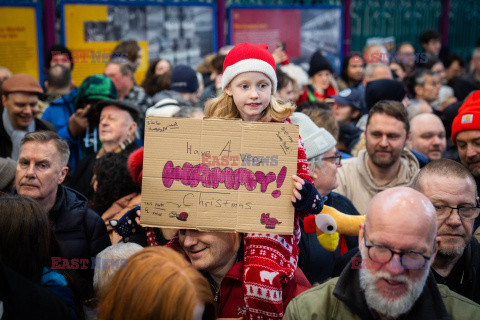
[157, 283]
[224, 107]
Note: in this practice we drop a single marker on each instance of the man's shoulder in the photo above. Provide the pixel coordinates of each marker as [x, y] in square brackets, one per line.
[315, 303]
[349, 166]
[137, 93]
[65, 99]
[318, 293]
[74, 201]
[41, 124]
[458, 306]
[74, 210]
[349, 163]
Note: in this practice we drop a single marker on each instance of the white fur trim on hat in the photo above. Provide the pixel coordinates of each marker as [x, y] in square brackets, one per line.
[317, 140]
[248, 65]
[164, 108]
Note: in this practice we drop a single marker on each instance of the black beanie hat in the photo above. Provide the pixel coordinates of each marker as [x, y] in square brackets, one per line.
[383, 89]
[318, 63]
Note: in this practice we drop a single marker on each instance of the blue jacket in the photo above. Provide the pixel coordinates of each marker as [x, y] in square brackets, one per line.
[56, 283]
[58, 113]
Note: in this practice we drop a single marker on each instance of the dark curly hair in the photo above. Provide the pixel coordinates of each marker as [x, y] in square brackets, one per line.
[113, 180]
[153, 83]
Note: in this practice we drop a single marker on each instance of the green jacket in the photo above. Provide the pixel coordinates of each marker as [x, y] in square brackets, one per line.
[342, 298]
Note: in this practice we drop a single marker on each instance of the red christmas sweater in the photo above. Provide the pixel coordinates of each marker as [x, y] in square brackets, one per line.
[232, 303]
[270, 262]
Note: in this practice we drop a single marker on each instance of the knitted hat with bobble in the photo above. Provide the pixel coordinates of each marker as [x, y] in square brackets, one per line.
[246, 57]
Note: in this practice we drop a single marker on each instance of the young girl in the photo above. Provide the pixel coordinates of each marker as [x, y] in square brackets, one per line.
[249, 82]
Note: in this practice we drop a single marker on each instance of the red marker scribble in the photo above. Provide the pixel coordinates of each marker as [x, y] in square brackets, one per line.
[280, 179]
[190, 175]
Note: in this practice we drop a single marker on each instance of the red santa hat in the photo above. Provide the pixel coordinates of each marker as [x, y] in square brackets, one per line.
[246, 57]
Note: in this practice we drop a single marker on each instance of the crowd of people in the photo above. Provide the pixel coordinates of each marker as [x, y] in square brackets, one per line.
[394, 137]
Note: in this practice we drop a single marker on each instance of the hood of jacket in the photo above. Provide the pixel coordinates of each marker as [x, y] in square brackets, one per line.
[409, 167]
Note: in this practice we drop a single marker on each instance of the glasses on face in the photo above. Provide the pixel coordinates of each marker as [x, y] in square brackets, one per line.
[409, 260]
[466, 213]
[337, 158]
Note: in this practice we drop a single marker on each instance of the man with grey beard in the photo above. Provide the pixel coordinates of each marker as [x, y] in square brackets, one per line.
[390, 277]
[453, 192]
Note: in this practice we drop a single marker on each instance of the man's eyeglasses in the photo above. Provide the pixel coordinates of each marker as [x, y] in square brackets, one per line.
[467, 213]
[337, 158]
[409, 260]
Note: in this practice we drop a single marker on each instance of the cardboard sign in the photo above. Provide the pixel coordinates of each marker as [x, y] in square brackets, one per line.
[219, 175]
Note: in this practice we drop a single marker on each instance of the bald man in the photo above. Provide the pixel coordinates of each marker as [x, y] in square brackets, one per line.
[427, 135]
[389, 278]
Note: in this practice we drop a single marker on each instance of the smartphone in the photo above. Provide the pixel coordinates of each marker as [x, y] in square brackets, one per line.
[281, 45]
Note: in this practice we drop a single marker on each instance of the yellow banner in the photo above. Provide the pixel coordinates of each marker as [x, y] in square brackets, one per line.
[18, 40]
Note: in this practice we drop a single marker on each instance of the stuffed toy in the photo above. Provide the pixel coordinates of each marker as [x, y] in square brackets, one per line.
[330, 224]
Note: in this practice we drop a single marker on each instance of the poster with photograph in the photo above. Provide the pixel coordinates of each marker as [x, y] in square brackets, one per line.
[171, 31]
[302, 30]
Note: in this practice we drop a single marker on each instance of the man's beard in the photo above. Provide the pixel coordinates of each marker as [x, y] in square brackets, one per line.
[451, 253]
[446, 249]
[475, 171]
[391, 307]
[383, 162]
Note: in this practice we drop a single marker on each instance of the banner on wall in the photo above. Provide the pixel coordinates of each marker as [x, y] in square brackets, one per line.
[179, 33]
[302, 30]
[20, 38]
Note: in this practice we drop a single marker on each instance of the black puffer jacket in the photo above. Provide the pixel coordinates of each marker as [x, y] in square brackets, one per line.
[80, 231]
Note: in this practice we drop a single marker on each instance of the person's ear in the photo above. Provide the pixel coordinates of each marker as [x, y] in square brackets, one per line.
[132, 128]
[361, 235]
[4, 100]
[407, 138]
[438, 241]
[63, 174]
[45, 83]
[228, 90]
[418, 90]
[355, 113]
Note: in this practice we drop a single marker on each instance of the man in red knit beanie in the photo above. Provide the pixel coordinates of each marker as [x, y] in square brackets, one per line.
[466, 134]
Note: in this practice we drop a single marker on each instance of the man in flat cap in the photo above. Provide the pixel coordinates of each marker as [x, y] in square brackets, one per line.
[20, 100]
[117, 124]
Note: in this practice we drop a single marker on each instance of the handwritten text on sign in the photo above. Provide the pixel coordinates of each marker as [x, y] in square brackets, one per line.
[219, 175]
